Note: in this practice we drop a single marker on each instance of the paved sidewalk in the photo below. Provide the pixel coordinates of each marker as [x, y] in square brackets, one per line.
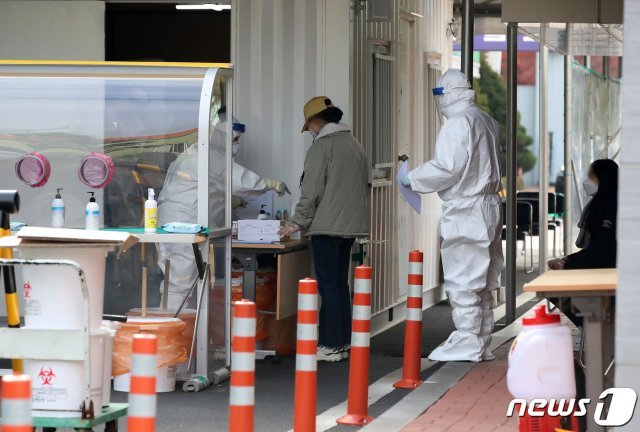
[477, 403]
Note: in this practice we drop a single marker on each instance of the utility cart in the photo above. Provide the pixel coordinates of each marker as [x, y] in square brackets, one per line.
[61, 345]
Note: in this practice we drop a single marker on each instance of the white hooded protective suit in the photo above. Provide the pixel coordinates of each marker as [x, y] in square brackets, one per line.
[244, 181]
[466, 175]
[178, 202]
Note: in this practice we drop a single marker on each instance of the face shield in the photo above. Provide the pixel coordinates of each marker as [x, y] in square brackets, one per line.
[438, 92]
[238, 130]
[453, 87]
[219, 135]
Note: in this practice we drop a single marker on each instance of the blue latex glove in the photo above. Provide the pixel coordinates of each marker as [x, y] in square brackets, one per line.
[405, 181]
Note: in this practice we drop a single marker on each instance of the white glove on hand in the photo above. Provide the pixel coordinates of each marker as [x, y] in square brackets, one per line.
[289, 229]
[277, 186]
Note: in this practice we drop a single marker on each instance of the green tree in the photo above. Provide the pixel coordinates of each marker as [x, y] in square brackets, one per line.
[492, 98]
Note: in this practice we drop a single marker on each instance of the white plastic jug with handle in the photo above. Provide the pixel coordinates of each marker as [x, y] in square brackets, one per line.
[541, 359]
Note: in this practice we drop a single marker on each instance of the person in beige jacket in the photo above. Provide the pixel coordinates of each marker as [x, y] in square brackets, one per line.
[332, 211]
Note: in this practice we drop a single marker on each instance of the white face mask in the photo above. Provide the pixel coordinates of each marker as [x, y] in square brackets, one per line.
[235, 147]
[590, 187]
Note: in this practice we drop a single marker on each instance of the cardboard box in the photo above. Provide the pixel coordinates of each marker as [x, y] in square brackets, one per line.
[259, 231]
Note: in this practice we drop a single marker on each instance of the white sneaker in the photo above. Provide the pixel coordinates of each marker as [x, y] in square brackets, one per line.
[345, 350]
[327, 354]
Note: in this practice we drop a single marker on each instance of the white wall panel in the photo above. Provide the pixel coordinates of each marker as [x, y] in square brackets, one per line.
[51, 30]
[427, 34]
[628, 296]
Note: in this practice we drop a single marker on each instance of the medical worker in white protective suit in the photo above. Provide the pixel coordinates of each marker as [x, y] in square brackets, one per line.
[466, 175]
[178, 202]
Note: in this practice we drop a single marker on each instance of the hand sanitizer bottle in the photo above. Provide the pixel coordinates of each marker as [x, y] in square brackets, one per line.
[92, 214]
[151, 213]
[57, 211]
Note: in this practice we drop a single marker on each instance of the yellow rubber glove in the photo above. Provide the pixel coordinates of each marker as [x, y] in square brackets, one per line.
[277, 186]
[236, 202]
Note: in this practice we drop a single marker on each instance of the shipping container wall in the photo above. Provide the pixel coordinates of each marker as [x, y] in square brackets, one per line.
[410, 33]
[285, 52]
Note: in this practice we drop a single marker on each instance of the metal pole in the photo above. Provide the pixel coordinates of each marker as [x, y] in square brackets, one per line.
[605, 72]
[467, 38]
[543, 154]
[620, 67]
[512, 168]
[568, 149]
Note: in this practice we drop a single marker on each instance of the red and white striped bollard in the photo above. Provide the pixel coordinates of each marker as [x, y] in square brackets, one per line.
[358, 403]
[16, 404]
[142, 394]
[413, 325]
[306, 387]
[243, 366]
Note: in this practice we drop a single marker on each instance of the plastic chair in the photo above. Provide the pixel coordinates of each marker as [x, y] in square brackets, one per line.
[532, 197]
[560, 204]
[560, 209]
[524, 229]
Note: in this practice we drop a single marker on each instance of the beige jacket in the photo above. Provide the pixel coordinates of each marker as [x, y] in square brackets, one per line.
[335, 186]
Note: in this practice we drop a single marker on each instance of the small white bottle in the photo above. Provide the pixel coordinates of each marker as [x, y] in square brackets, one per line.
[92, 214]
[263, 214]
[57, 211]
[151, 212]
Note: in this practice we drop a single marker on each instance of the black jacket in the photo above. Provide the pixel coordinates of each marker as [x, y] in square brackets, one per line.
[601, 251]
[601, 221]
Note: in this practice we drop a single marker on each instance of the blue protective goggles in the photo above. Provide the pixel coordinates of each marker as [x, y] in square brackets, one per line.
[239, 127]
[438, 91]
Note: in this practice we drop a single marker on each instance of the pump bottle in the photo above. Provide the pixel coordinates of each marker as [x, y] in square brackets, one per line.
[57, 211]
[92, 214]
[151, 213]
[263, 214]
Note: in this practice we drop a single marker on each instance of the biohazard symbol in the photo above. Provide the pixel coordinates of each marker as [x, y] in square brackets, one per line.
[27, 290]
[47, 376]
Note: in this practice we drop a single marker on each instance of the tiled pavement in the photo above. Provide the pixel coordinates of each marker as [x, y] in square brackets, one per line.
[477, 403]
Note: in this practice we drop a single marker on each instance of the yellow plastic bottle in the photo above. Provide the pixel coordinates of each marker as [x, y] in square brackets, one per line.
[151, 213]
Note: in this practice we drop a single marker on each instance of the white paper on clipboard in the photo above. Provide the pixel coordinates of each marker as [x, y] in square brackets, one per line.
[413, 198]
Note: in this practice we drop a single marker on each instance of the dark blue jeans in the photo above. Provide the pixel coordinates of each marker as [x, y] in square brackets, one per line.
[331, 258]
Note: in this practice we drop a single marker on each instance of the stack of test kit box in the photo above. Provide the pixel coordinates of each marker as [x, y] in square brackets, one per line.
[259, 230]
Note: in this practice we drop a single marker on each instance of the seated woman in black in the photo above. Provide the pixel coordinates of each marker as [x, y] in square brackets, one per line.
[597, 224]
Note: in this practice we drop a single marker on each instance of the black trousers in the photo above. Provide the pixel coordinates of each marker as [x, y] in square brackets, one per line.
[331, 257]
